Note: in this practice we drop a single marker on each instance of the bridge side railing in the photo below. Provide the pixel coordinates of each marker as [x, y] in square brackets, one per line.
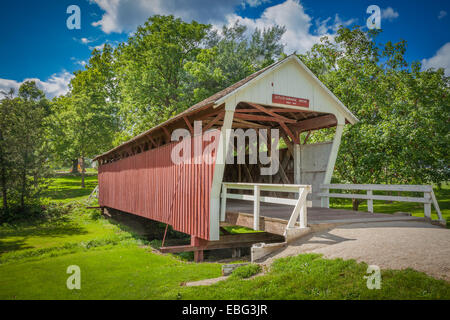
[300, 204]
[427, 199]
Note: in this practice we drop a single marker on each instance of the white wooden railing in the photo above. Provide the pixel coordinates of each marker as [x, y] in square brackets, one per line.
[427, 199]
[300, 204]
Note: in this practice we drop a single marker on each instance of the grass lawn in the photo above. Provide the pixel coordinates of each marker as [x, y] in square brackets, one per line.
[65, 187]
[116, 264]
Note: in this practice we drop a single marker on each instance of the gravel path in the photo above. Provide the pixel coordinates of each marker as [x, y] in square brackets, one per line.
[390, 245]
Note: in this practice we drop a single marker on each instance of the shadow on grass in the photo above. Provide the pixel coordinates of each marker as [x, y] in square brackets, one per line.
[68, 186]
[7, 246]
[62, 227]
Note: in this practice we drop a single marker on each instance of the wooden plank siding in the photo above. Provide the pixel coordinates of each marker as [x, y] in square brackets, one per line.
[151, 185]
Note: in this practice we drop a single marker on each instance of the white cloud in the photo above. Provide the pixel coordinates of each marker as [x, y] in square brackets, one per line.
[442, 14]
[440, 60]
[389, 14]
[84, 40]
[126, 15]
[291, 14]
[79, 62]
[99, 47]
[55, 85]
[254, 3]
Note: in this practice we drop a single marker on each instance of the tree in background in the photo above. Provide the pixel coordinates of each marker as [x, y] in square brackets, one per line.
[230, 56]
[169, 65]
[24, 152]
[403, 133]
[84, 121]
[165, 67]
[150, 73]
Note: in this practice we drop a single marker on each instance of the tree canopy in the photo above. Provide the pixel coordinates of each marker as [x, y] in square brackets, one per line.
[168, 65]
[403, 133]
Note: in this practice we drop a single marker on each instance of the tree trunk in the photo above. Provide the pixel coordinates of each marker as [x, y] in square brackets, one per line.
[74, 166]
[83, 170]
[355, 204]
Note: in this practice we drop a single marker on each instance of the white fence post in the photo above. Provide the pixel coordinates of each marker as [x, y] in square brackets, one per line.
[302, 216]
[325, 201]
[223, 204]
[256, 196]
[436, 206]
[370, 201]
[427, 205]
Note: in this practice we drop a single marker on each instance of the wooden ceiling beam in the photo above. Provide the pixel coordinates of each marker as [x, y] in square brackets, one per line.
[288, 131]
[261, 118]
[269, 112]
[214, 121]
[250, 124]
[316, 123]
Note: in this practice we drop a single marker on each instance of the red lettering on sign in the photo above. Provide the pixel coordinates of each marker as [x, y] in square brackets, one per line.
[292, 101]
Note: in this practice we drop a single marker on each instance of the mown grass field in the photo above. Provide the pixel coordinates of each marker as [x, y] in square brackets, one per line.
[117, 264]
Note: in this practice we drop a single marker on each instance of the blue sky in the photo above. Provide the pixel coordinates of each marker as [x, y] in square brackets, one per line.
[36, 44]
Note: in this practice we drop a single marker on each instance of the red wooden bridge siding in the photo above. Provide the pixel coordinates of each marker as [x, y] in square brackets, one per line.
[151, 185]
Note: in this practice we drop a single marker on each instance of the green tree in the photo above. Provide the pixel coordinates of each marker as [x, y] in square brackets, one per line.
[24, 152]
[230, 56]
[6, 109]
[150, 73]
[85, 121]
[403, 133]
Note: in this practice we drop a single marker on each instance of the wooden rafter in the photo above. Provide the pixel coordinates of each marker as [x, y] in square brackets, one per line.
[269, 112]
[214, 121]
[188, 124]
[316, 123]
[288, 142]
[278, 110]
[260, 118]
[307, 137]
[167, 134]
[288, 131]
[250, 124]
[152, 141]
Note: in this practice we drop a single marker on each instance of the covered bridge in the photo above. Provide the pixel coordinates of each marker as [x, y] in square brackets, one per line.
[141, 178]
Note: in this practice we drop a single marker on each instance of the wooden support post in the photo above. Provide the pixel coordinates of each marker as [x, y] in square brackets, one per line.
[370, 201]
[198, 243]
[427, 205]
[256, 195]
[236, 253]
[198, 256]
